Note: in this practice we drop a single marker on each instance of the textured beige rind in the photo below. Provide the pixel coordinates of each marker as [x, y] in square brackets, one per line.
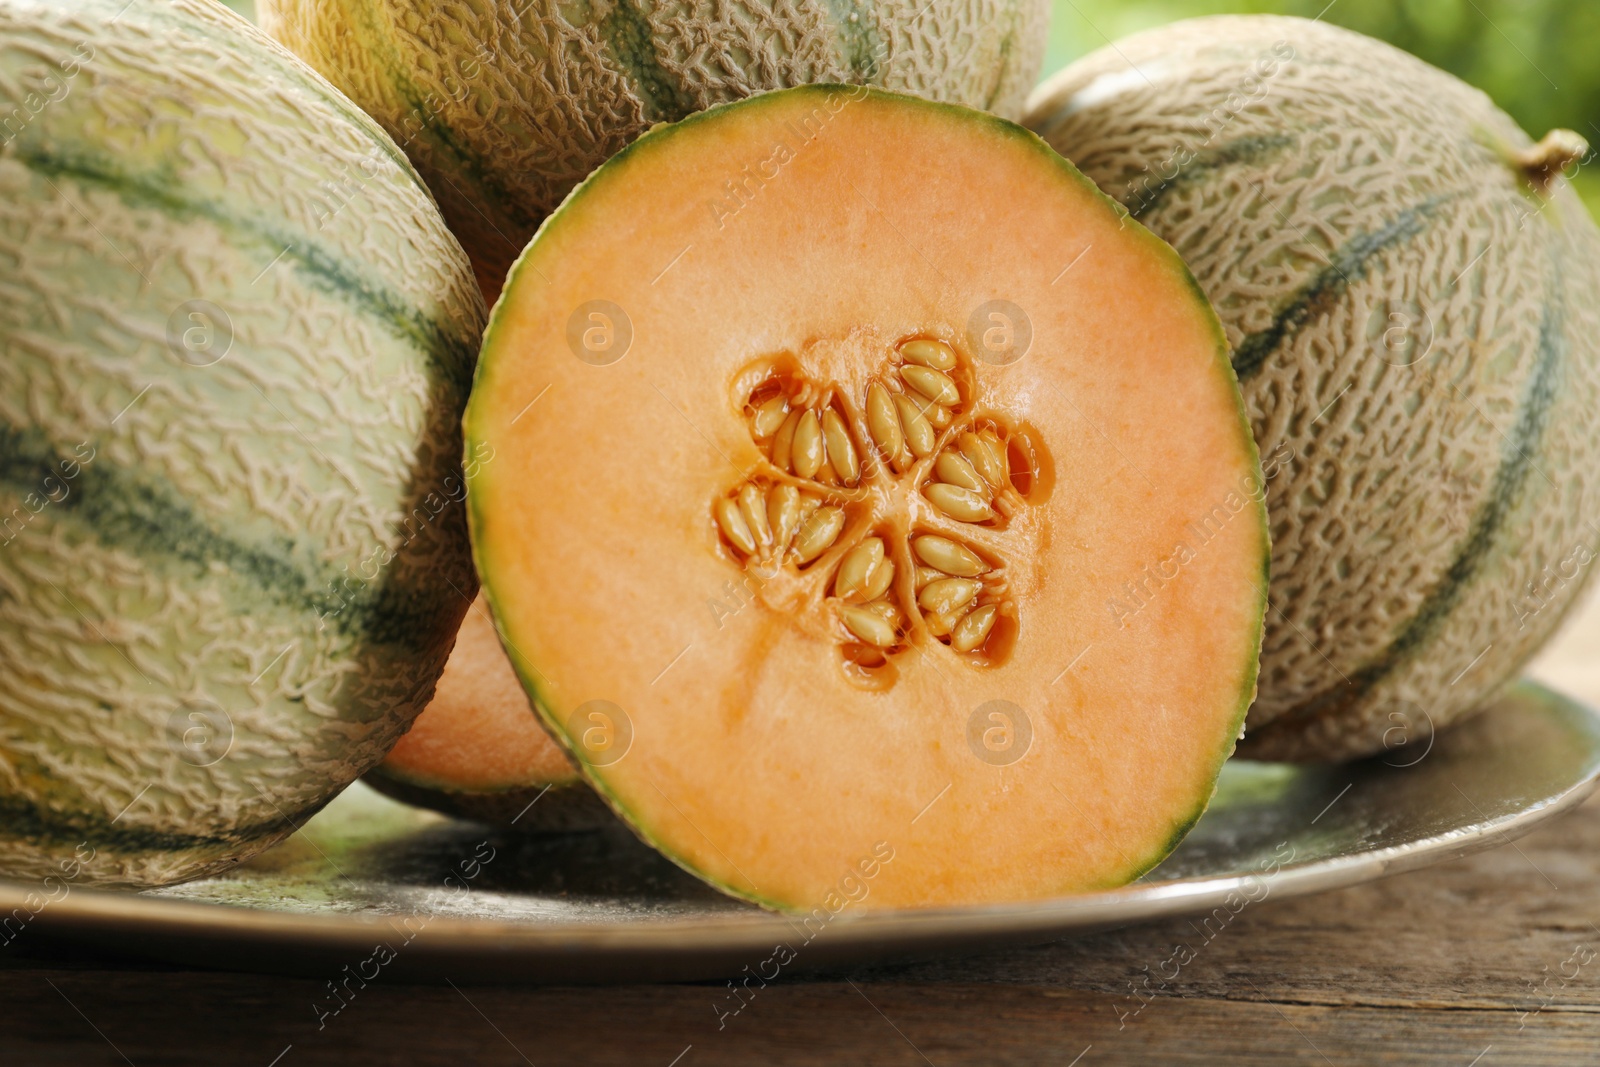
[252, 552]
[1386, 503]
[506, 105]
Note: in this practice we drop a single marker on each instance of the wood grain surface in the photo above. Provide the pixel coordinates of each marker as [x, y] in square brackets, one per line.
[1489, 960]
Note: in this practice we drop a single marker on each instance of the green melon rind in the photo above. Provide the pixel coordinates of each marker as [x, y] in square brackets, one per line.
[480, 401]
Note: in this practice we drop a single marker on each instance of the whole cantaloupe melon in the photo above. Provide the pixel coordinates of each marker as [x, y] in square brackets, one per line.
[1412, 295]
[506, 105]
[236, 339]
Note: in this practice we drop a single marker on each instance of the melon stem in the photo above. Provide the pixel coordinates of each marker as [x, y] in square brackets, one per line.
[1542, 162]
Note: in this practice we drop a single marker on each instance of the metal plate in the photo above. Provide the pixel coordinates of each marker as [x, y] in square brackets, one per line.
[371, 883]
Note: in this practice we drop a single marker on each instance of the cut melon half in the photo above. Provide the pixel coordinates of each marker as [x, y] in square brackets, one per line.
[478, 751]
[874, 516]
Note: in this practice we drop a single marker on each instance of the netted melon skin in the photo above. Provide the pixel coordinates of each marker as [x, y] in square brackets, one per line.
[235, 344]
[505, 106]
[1433, 500]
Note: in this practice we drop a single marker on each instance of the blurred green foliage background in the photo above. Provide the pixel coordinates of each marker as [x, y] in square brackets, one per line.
[1538, 59]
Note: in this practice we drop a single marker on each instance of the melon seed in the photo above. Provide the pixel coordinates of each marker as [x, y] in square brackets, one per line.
[734, 528]
[884, 424]
[953, 468]
[886, 611]
[958, 503]
[855, 570]
[770, 416]
[973, 630]
[947, 594]
[935, 385]
[938, 416]
[986, 455]
[926, 353]
[927, 574]
[783, 443]
[941, 625]
[841, 450]
[754, 510]
[783, 514]
[878, 583]
[807, 449]
[867, 625]
[818, 533]
[948, 556]
[919, 434]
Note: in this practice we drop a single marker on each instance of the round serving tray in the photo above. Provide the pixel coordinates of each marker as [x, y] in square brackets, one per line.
[371, 883]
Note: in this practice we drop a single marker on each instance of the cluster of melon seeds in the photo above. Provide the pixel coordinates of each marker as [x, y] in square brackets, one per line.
[893, 500]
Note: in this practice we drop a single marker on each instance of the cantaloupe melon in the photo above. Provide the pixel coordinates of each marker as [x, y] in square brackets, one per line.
[1409, 289]
[236, 338]
[803, 517]
[506, 105]
[478, 751]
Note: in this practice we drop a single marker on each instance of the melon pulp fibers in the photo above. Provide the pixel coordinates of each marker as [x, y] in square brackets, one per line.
[505, 105]
[235, 343]
[477, 751]
[1408, 285]
[804, 516]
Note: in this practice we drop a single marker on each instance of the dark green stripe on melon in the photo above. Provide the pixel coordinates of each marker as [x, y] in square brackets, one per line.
[451, 354]
[1233, 153]
[132, 512]
[860, 43]
[1322, 294]
[1482, 538]
[377, 40]
[630, 39]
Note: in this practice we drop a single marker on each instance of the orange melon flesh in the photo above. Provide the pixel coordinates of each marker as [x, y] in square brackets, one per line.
[736, 735]
[479, 734]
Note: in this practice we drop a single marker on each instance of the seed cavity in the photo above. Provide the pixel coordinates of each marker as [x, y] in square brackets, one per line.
[836, 449]
[777, 524]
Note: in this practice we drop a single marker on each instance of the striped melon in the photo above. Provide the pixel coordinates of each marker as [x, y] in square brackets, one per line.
[236, 338]
[506, 105]
[1409, 287]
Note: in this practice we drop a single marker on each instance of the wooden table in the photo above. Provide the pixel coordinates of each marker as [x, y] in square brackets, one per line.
[1489, 960]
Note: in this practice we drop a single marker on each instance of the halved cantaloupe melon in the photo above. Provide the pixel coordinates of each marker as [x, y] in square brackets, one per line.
[477, 751]
[833, 429]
